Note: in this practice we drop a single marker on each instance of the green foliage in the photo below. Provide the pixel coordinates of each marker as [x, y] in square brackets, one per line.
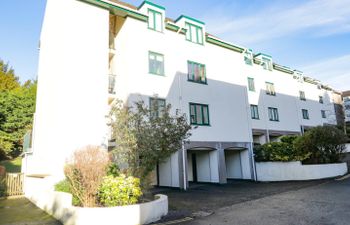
[118, 191]
[145, 138]
[2, 185]
[279, 151]
[64, 186]
[17, 103]
[12, 166]
[8, 79]
[324, 145]
[113, 170]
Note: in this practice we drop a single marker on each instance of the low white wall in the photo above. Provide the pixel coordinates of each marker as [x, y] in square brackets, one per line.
[282, 171]
[347, 148]
[59, 205]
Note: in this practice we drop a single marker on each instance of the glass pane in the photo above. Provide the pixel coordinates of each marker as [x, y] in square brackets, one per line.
[158, 18]
[200, 35]
[193, 34]
[199, 114]
[205, 115]
[188, 33]
[192, 114]
[190, 71]
[151, 20]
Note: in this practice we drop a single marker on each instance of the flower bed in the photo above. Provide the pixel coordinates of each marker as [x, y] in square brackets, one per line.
[59, 205]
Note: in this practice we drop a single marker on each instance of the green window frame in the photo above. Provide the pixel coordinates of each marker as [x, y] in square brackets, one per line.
[320, 99]
[157, 107]
[156, 63]
[199, 114]
[251, 85]
[273, 114]
[155, 20]
[323, 114]
[248, 57]
[196, 72]
[254, 111]
[305, 113]
[302, 96]
[270, 89]
[266, 63]
[194, 33]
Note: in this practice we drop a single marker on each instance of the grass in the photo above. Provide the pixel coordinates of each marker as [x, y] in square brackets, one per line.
[12, 166]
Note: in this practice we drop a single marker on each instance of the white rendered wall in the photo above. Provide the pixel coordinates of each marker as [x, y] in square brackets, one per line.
[282, 171]
[72, 83]
[225, 92]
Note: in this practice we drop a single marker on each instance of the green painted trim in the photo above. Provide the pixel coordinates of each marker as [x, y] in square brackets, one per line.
[175, 28]
[275, 110]
[283, 69]
[154, 12]
[263, 54]
[251, 79]
[149, 69]
[112, 8]
[195, 113]
[224, 44]
[257, 111]
[189, 18]
[205, 73]
[152, 4]
[199, 32]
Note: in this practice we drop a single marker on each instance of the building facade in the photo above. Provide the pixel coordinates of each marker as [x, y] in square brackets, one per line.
[101, 51]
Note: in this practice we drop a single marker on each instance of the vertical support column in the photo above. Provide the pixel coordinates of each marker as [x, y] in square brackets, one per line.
[252, 161]
[183, 178]
[222, 165]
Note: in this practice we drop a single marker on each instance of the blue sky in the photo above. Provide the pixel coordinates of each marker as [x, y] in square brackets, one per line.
[309, 35]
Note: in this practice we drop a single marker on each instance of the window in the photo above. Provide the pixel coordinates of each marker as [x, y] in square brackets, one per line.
[248, 57]
[155, 20]
[302, 95]
[251, 86]
[196, 72]
[320, 99]
[323, 113]
[199, 114]
[270, 88]
[273, 114]
[157, 107]
[305, 113]
[194, 33]
[254, 111]
[266, 63]
[156, 63]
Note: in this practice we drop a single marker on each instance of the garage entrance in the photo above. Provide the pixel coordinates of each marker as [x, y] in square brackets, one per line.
[202, 165]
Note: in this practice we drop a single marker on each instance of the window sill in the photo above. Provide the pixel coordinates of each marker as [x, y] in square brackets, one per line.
[161, 75]
[201, 125]
[274, 120]
[197, 82]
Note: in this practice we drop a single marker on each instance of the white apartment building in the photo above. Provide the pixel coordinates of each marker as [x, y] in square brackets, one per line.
[346, 105]
[93, 52]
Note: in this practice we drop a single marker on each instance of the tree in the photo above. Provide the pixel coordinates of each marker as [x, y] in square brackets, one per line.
[145, 138]
[324, 144]
[8, 79]
[17, 104]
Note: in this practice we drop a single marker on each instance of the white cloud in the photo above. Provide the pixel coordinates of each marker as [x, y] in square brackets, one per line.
[334, 71]
[316, 17]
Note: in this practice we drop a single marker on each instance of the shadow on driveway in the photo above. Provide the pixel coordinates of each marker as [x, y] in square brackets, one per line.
[20, 211]
[204, 199]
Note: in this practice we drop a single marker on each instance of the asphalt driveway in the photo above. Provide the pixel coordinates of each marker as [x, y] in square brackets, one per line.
[203, 200]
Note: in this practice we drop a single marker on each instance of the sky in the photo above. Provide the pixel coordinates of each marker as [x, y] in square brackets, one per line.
[308, 35]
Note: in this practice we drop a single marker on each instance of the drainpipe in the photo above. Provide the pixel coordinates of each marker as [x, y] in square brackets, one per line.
[184, 166]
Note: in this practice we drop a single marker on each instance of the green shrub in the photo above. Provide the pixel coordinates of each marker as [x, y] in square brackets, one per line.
[121, 190]
[113, 170]
[324, 144]
[2, 185]
[279, 151]
[64, 186]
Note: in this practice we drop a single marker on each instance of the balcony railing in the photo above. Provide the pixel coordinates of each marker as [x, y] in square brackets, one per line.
[111, 84]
